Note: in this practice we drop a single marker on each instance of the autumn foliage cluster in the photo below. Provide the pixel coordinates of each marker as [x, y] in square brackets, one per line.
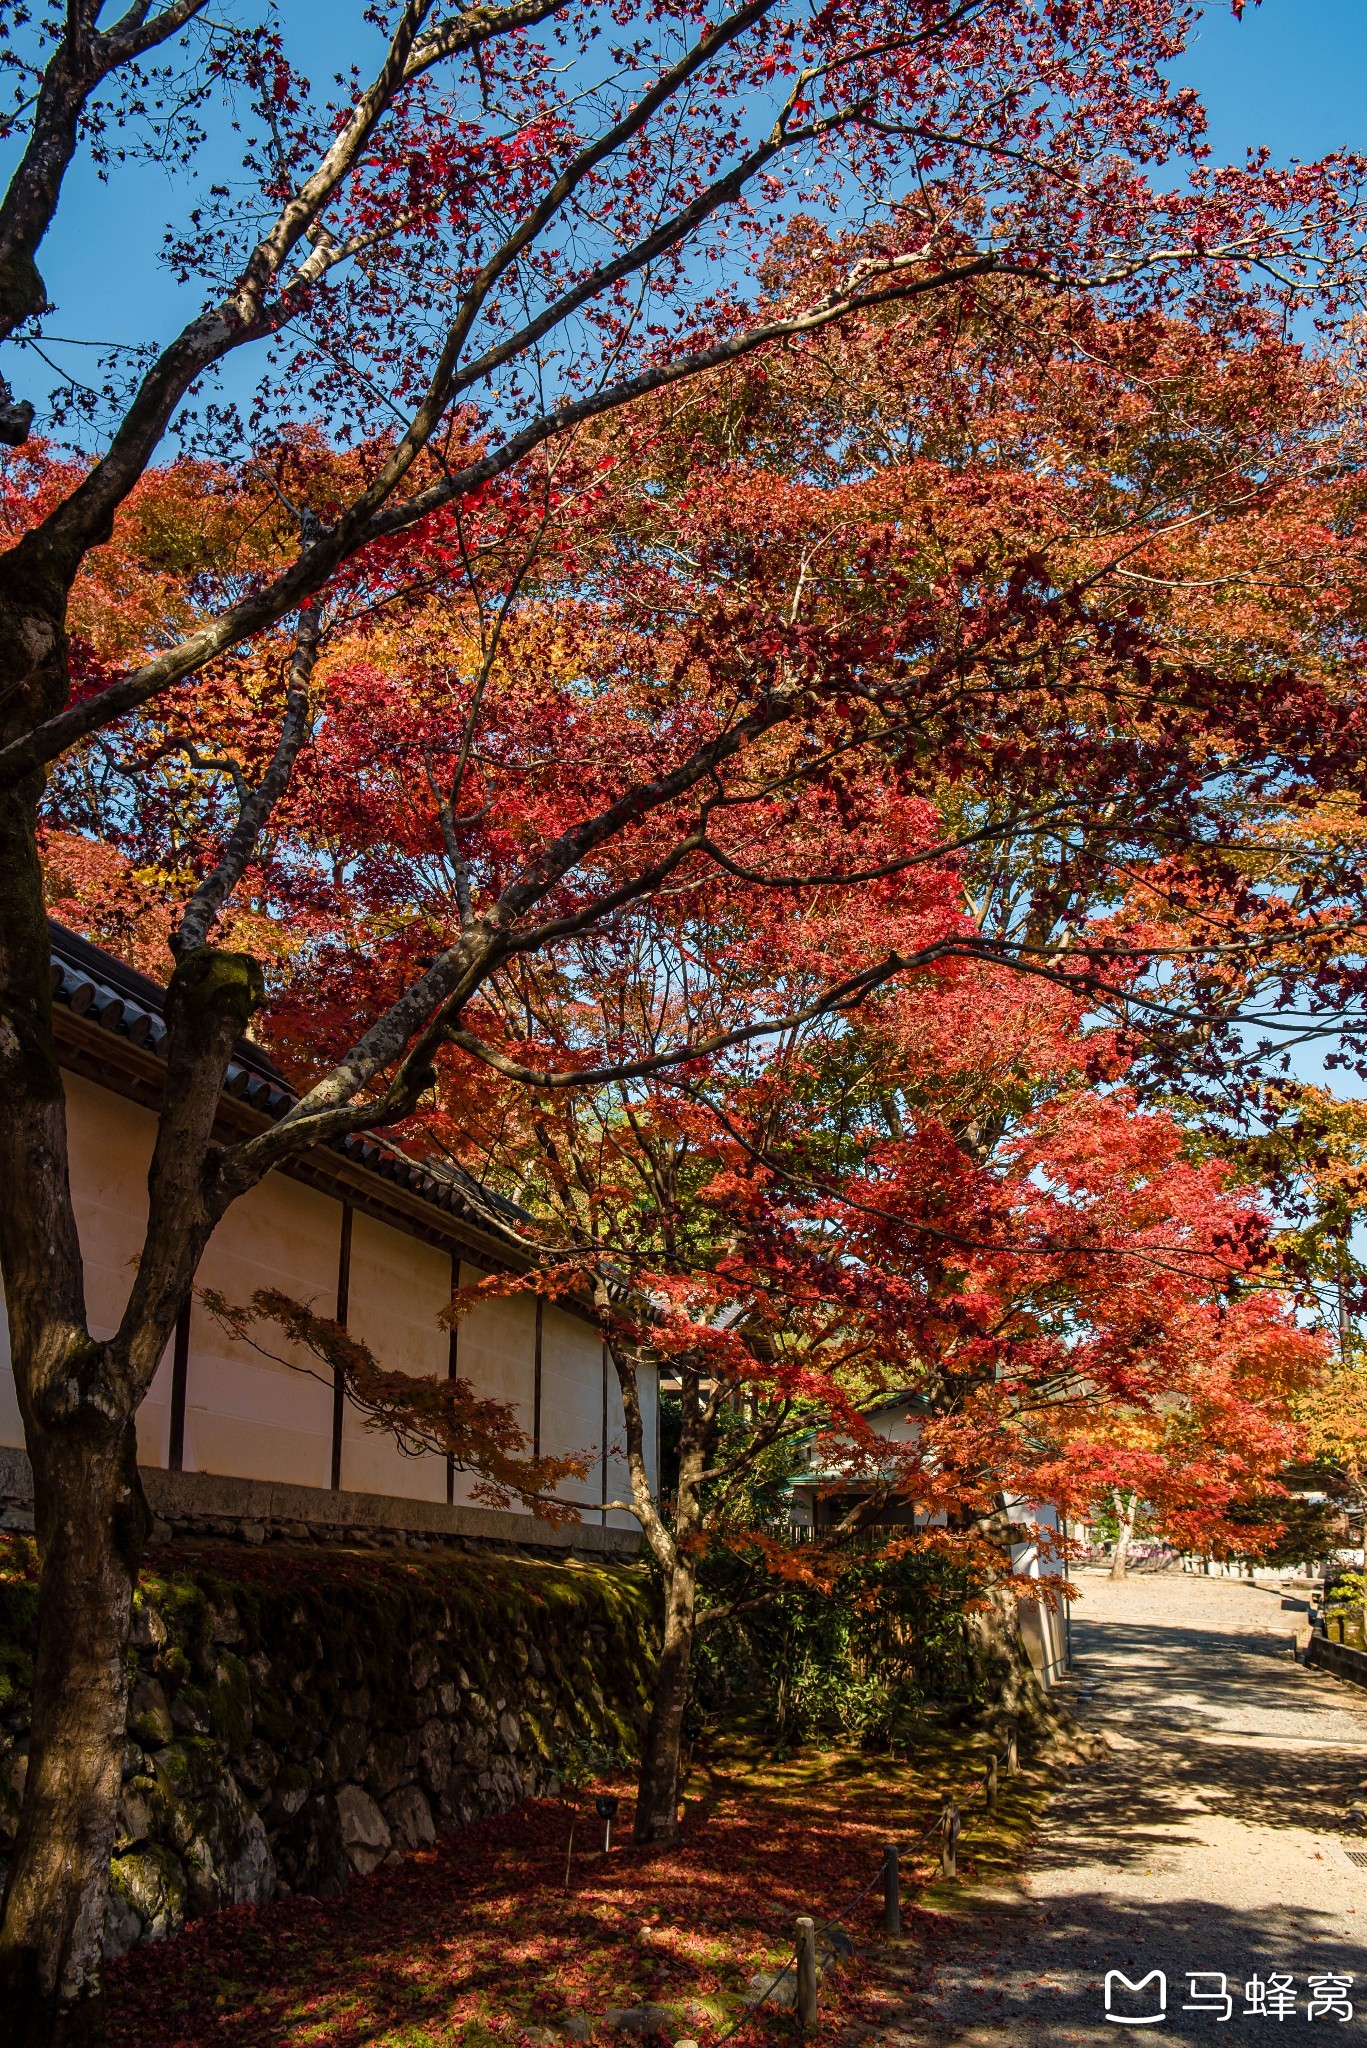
[927, 1135]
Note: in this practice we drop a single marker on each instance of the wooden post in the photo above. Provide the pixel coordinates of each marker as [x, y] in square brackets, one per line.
[1013, 1754]
[603, 1446]
[452, 1371]
[806, 1971]
[180, 1377]
[343, 1310]
[949, 1852]
[991, 1784]
[536, 1376]
[892, 1891]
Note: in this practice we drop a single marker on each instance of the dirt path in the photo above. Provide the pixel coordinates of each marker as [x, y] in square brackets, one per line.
[1213, 1837]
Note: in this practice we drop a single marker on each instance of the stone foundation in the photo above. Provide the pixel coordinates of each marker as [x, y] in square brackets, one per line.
[295, 1716]
[261, 1511]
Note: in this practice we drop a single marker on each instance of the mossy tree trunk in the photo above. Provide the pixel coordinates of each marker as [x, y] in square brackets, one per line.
[657, 1788]
[91, 1524]
[673, 1538]
[79, 1397]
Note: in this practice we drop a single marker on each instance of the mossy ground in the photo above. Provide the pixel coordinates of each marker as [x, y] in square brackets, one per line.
[476, 1941]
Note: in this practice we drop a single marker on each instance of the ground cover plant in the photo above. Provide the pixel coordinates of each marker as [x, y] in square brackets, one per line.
[476, 1941]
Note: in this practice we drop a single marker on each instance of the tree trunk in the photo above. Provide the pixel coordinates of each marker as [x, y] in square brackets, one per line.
[78, 1398]
[657, 1790]
[92, 1523]
[657, 1785]
[1126, 1508]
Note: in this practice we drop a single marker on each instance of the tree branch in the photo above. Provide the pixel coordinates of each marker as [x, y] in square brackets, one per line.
[203, 908]
[366, 520]
[842, 996]
[82, 60]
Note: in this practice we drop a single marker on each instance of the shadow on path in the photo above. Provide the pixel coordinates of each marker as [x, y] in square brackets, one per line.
[1212, 1836]
[997, 1983]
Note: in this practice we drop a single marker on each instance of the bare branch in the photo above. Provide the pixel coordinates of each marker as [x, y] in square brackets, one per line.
[842, 995]
[256, 806]
[80, 63]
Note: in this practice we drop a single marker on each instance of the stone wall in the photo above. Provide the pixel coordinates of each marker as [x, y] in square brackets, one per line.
[1340, 1658]
[296, 1716]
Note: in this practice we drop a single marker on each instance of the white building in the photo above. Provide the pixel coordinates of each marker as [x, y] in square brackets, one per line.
[820, 1500]
[360, 1232]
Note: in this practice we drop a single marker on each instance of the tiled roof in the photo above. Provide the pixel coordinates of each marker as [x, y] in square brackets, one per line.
[95, 985]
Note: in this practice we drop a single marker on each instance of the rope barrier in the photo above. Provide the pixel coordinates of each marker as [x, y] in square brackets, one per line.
[937, 1826]
[826, 1925]
[754, 2007]
[857, 1900]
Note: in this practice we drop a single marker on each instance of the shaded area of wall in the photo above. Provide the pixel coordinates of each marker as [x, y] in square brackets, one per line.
[1044, 1635]
[268, 1414]
[296, 1717]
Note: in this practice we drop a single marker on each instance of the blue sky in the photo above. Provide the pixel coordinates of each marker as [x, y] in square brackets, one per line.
[1292, 75]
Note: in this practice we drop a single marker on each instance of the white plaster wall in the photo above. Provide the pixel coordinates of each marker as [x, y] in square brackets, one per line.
[109, 1142]
[898, 1425]
[572, 1400]
[650, 1422]
[246, 1415]
[576, 1376]
[496, 1352]
[1038, 1522]
[254, 1417]
[619, 1477]
[1043, 1627]
[399, 1287]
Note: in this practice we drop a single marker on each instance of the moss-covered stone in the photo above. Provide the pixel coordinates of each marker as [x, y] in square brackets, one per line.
[264, 1686]
[230, 1703]
[149, 1713]
[142, 1812]
[151, 1882]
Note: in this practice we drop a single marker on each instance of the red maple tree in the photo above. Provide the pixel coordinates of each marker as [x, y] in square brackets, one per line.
[509, 231]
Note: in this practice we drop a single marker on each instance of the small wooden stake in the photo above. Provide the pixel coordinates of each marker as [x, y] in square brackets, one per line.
[892, 1891]
[991, 1784]
[806, 1971]
[1013, 1755]
[949, 1852]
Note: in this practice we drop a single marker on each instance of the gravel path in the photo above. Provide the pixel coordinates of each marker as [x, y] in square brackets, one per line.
[1213, 1836]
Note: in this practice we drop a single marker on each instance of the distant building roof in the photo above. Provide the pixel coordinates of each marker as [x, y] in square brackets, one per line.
[908, 1400]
